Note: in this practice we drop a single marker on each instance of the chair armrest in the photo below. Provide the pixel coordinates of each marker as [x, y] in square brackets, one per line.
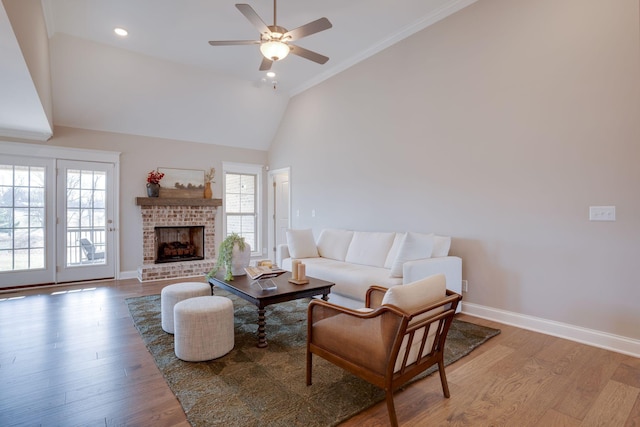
[374, 296]
[330, 310]
[282, 252]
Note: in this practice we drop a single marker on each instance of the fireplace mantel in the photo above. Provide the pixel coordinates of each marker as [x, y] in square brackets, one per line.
[162, 201]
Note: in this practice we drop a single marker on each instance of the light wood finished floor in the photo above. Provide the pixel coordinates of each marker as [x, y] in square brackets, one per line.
[75, 359]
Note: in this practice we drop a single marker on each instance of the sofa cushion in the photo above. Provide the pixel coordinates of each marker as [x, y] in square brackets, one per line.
[369, 248]
[334, 244]
[351, 280]
[414, 246]
[395, 248]
[301, 244]
[441, 246]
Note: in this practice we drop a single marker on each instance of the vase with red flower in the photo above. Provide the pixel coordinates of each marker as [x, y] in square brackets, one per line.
[153, 183]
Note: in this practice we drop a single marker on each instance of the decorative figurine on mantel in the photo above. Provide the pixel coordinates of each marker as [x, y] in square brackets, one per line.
[153, 183]
[208, 179]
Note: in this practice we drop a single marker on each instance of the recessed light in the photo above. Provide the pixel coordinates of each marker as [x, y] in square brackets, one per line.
[271, 74]
[120, 31]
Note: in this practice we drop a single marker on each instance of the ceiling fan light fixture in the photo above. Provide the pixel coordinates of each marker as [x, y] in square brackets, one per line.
[274, 50]
[121, 31]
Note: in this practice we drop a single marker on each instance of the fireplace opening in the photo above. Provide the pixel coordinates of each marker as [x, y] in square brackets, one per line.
[175, 244]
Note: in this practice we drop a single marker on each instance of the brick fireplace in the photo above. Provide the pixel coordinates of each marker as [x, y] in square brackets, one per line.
[160, 212]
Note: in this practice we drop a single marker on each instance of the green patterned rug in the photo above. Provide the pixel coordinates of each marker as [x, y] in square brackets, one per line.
[253, 387]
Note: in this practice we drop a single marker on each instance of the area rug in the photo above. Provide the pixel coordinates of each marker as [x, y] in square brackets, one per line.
[266, 387]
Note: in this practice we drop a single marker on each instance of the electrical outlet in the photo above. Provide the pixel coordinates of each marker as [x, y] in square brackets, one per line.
[602, 213]
[465, 286]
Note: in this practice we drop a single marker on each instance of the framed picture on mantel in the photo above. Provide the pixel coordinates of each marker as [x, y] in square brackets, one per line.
[182, 183]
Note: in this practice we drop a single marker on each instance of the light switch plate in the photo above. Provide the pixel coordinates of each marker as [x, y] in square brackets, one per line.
[602, 213]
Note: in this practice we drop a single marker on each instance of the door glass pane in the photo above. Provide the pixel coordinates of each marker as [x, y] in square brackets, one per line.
[22, 224]
[86, 217]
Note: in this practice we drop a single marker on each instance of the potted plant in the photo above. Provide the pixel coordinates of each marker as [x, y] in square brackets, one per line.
[233, 256]
[153, 183]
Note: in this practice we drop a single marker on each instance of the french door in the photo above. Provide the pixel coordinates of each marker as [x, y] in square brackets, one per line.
[56, 220]
[26, 223]
[85, 221]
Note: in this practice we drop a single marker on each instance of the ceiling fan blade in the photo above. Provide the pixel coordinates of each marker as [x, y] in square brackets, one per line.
[253, 17]
[265, 65]
[308, 54]
[232, 42]
[308, 29]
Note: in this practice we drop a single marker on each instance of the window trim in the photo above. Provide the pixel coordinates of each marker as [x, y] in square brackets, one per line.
[245, 168]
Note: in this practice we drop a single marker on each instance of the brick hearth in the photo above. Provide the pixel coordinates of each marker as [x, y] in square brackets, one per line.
[165, 212]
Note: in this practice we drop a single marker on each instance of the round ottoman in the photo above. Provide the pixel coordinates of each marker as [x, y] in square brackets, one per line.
[173, 294]
[203, 328]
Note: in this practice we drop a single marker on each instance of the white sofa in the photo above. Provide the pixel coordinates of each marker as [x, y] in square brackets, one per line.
[355, 260]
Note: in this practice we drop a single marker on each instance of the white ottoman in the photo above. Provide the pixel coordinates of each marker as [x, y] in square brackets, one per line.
[203, 328]
[173, 294]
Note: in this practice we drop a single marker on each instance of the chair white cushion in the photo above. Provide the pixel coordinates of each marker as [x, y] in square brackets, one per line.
[411, 298]
[301, 243]
[334, 244]
[416, 295]
[369, 248]
[414, 246]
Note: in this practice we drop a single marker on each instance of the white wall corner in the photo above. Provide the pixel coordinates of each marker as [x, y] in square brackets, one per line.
[591, 337]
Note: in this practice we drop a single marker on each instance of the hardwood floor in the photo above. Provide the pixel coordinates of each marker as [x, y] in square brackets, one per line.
[71, 356]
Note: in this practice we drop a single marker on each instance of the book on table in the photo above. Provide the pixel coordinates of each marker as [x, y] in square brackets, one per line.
[263, 272]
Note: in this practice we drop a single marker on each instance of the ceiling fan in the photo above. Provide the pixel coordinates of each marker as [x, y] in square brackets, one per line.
[275, 41]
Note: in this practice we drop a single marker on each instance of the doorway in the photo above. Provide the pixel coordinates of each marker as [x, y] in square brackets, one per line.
[279, 207]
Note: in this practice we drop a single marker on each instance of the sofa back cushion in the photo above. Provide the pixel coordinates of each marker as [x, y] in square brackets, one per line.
[441, 246]
[334, 244]
[369, 248]
[414, 246]
[395, 248]
[301, 244]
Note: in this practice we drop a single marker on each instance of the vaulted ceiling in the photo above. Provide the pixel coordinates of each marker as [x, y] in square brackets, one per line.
[165, 80]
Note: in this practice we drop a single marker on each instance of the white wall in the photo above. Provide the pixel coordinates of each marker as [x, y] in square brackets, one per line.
[499, 126]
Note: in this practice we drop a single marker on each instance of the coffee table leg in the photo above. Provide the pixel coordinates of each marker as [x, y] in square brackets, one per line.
[262, 335]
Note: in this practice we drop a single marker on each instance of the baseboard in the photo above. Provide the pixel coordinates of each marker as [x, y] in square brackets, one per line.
[591, 337]
[128, 275]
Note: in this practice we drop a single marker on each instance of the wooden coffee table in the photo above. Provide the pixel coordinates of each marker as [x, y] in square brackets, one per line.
[249, 290]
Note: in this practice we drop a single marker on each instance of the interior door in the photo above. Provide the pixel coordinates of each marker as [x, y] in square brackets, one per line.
[280, 208]
[26, 222]
[85, 230]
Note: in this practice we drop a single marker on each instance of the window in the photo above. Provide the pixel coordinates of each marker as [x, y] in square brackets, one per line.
[242, 186]
[22, 217]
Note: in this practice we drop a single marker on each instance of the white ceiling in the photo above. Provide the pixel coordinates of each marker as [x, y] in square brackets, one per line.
[178, 31]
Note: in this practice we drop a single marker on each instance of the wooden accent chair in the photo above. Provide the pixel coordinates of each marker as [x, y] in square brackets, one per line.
[400, 333]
